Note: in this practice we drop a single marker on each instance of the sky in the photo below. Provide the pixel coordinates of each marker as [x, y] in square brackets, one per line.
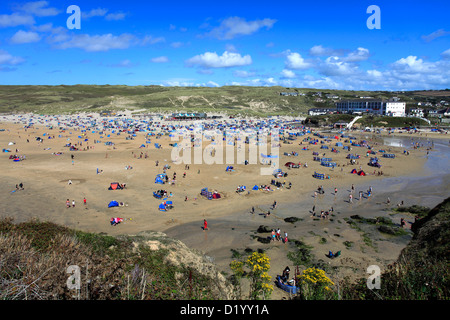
[401, 45]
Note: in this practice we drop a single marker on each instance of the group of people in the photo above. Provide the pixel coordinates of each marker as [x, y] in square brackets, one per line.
[68, 204]
[276, 235]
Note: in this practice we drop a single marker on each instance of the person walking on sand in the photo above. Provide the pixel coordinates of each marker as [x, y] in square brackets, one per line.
[68, 203]
[205, 224]
[84, 201]
[73, 203]
[350, 198]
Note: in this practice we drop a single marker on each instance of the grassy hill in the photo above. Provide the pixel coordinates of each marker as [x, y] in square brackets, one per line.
[230, 99]
[34, 257]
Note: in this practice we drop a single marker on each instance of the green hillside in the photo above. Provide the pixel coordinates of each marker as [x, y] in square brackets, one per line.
[230, 99]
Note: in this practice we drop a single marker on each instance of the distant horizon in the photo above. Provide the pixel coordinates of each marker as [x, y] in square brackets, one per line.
[218, 87]
[361, 46]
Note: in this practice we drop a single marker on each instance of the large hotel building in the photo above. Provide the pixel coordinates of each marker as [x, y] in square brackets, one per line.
[359, 106]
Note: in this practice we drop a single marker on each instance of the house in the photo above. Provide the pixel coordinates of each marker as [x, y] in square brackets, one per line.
[320, 111]
[417, 112]
[439, 113]
[340, 124]
[188, 116]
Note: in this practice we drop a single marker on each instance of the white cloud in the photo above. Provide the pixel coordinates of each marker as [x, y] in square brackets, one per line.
[152, 40]
[287, 73]
[99, 12]
[161, 59]
[15, 19]
[243, 74]
[446, 54]
[188, 83]
[176, 44]
[320, 50]
[97, 43]
[7, 59]
[25, 37]
[236, 26]
[115, 16]
[374, 73]
[212, 60]
[230, 48]
[333, 66]
[295, 61]
[38, 9]
[411, 64]
[434, 35]
[361, 54]
[212, 84]
[102, 12]
[123, 64]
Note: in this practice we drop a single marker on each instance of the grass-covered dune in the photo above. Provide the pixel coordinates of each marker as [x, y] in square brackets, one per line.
[35, 257]
[259, 101]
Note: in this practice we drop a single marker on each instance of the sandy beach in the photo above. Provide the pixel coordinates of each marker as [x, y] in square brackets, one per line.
[50, 177]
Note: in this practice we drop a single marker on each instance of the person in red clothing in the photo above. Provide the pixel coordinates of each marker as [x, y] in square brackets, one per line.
[205, 224]
[84, 201]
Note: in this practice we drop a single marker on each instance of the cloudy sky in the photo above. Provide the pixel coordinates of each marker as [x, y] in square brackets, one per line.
[313, 44]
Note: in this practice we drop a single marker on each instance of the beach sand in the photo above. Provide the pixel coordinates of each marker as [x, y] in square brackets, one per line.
[45, 177]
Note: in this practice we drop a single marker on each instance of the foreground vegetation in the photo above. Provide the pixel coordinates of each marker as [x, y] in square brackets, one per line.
[35, 256]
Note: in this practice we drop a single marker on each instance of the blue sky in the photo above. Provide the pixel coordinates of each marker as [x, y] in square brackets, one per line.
[304, 44]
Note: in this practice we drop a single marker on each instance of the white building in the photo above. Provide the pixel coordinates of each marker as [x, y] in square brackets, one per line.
[395, 109]
[417, 112]
[390, 108]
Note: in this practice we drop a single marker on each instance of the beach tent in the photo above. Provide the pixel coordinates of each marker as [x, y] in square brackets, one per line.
[255, 187]
[216, 195]
[229, 168]
[114, 186]
[113, 203]
[162, 207]
[160, 178]
[361, 173]
[320, 176]
[115, 221]
[354, 171]
[288, 164]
